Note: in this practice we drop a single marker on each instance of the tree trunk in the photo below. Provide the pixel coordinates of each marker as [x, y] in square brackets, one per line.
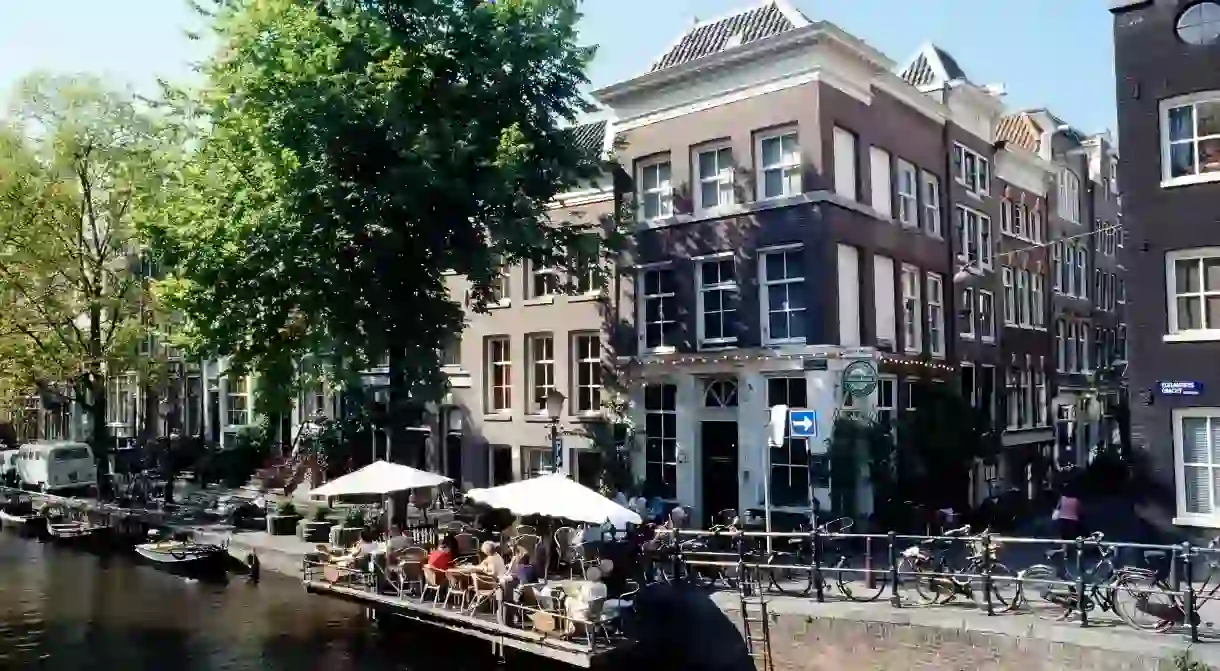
[395, 424]
[97, 404]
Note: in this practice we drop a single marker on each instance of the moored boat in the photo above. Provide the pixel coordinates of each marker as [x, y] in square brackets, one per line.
[183, 555]
[18, 514]
[74, 531]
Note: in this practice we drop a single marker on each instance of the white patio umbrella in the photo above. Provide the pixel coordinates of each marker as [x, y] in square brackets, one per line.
[379, 478]
[555, 495]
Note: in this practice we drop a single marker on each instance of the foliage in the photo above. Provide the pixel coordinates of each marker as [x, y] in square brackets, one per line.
[74, 158]
[249, 451]
[354, 519]
[174, 454]
[286, 509]
[321, 513]
[939, 443]
[1185, 661]
[344, 154]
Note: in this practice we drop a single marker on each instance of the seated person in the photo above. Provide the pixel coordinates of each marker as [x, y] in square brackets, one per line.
[581, 604]
[493, 563]
[442, 558]
[366, 548]
[398, 541]
[521, 568]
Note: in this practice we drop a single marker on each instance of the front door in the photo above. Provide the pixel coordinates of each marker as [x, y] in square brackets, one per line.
[718, 445]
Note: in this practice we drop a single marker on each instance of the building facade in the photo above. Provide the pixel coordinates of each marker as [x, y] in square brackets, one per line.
[1169, 120]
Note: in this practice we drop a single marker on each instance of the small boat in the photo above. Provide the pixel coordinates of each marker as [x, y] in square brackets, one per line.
[183, 555]
[73, 531]
[18, 514]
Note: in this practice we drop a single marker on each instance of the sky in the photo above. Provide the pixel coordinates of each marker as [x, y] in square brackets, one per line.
[1048, 53]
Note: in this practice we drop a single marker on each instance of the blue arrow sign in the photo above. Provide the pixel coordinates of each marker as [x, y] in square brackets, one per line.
[803, 423]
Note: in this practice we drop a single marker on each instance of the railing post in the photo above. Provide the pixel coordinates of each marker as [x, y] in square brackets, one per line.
[987, 579]
[1080, 595]
[1189, 597]
[895, 601]
[678, 568]
[743, 584]
[817, 565]
[870, 579]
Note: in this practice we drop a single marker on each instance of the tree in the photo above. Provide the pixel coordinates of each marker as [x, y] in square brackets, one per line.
[346, 154]
[72, 305]
[939, 443]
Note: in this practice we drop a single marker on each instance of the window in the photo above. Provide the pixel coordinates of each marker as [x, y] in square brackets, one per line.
[971, 170]
[1068, 203]
[911, 330]
[501, 286]
[987, 389]
[931, 204]
[790, 461]
[500, 373]
[887, 401]
[846, 182]
[659, 309]
[544, 282]
[1037, 301]
[965, 328]
[1057, 267]
[986, 316]
[783, 295]
[1012, 397]
[1069, 347]
[715, 173]
[1191, 126]
[1022, 297]
[1200, 23]
[1034, 225]
[908, 206]
[537, 461]
[936, 315]
[237, 400]
[586, 276]
[969, 385]
[1041, 399]
[881, 186]
[656, 190]
[1196, 440]
[717, 302]
[1120, 292]
[1082, 273]
[1010, 297]
[541, 351]
[587, 355]
[973, 237]
[1083, 331]
[1194, 306]
[661, 440]
[779, 165]
[451, 352]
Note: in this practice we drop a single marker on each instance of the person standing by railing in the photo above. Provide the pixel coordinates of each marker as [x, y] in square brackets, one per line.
[1067, 515]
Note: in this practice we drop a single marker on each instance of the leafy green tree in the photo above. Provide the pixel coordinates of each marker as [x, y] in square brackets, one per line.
[73, 156]
[939, 443]
[346, 154]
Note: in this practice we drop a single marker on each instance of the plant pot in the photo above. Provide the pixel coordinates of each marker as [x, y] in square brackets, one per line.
[341, 536]
[315, 531]
[282, 525]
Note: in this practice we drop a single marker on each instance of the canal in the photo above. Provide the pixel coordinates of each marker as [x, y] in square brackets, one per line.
[62, 608]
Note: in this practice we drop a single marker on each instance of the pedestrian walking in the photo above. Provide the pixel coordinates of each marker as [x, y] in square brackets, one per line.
[1067, 515]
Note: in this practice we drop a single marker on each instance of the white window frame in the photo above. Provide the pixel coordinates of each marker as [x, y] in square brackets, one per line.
[666, 322]
[1057, 267]
[764, 290]
[1067, 202]
[935, 290]
[665, 443]
[974, 235]
[502, 287]
[1173, 332]
[1041, 398]
[1037, 300]
[664, 190]
[586, 373]
[1189, 100]
[987, 311]
[1184, 517]
[536, 275]
[723, 178]
[491, 365]
[1033, 220]
[971, 395]
[1060, 344]
[978, 181]
[907, 191]
[912, 327]
[539, 371]
[789, 166]
[237, 389]
[886, 404]
[968, 302]
[931, 204]
[846, 168]
[1082, 272]
[1022, 294]
[1010, 296]
[728, 315]
[881, 182]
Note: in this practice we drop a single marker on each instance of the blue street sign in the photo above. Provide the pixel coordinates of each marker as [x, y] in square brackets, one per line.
[803, 423]
[1181, 388]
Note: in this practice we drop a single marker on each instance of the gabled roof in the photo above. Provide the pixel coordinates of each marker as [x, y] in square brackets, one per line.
[743, 27]
[591, 137]
[1020, 130]
[931, 67]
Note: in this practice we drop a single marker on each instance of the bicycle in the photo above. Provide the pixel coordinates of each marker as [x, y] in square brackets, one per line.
[707, 576]
[1058, 597]
[1172, 611]
[942, 582]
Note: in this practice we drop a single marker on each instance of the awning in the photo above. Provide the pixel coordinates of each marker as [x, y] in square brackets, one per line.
[379, 478]
[555, 495]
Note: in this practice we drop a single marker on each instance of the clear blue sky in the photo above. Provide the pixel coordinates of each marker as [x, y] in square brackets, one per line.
[1052, 53]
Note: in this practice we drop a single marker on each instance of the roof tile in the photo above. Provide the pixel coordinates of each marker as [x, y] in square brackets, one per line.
[706, 39]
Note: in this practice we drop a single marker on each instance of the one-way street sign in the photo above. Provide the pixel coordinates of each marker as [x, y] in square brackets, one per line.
[803, 423]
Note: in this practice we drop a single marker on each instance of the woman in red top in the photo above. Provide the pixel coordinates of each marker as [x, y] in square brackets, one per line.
[442, 558]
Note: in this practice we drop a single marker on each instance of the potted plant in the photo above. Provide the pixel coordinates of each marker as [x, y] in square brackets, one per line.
[347, 533]
[284, 521]
[316, 530]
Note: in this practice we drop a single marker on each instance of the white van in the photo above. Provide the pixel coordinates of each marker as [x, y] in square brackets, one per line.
[8, 466]
[56, 465]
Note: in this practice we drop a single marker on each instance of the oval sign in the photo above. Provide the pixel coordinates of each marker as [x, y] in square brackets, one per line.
[859, 378]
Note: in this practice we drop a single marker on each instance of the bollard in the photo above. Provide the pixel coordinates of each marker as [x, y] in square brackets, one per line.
[987, 573]
[1189, 597]
[869, 578]
[1080, 597]
[817, 566]
[895, 601]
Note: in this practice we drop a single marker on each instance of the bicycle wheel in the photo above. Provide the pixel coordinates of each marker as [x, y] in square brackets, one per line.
[1142, 601]
[913, 578]
[1042, 592]
[786, 576]
[853, 585]
[1005, 588]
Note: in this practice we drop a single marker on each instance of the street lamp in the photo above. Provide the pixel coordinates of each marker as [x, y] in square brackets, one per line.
[554, 408]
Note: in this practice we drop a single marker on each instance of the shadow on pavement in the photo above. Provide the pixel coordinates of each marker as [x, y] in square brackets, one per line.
[681, 628]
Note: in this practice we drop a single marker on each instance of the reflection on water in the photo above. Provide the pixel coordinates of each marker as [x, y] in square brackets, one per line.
[65, 609]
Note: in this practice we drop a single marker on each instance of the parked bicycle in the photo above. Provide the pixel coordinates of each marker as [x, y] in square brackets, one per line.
[1051, 591]
[791, 570]
[719, 547]
[938, 571]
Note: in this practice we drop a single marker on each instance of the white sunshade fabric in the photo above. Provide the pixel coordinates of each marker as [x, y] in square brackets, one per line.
[555, 495]
[379, 478]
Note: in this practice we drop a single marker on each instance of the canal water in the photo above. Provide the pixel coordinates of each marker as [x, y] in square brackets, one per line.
[62, 608]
